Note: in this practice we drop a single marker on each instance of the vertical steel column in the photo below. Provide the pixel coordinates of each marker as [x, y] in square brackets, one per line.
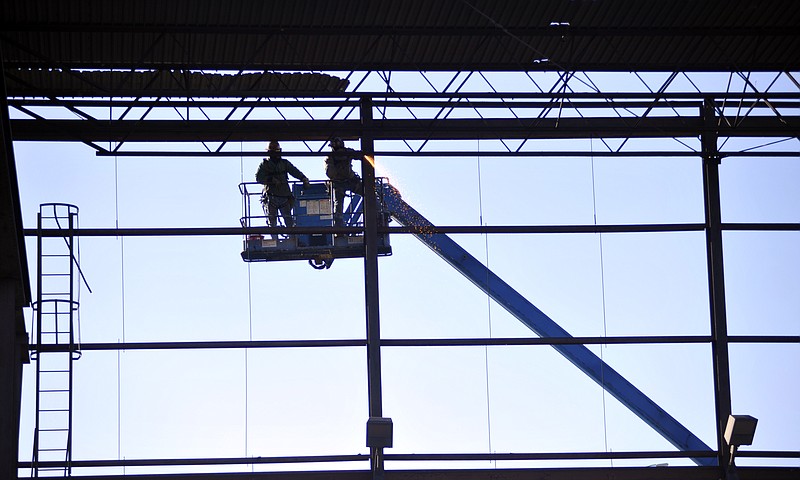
[10, 379]
[716, 276]
[371, 277]
[14, 295]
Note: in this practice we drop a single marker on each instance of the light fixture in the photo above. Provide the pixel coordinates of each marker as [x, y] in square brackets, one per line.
[739, 430]
[379, 432]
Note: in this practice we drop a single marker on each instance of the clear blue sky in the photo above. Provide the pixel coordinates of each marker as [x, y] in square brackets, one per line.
[232, 403]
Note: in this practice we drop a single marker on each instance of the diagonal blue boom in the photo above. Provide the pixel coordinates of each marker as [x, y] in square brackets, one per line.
[544, 326]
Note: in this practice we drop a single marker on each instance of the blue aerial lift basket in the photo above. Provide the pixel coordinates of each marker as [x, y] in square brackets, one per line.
[313, 207]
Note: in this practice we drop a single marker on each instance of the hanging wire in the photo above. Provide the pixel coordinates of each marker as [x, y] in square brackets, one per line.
[603, 294]
[121, 246]
[246, 374]
[250, 333]
[119, 407]
[122, 295]
[488, 307]
[122, 306]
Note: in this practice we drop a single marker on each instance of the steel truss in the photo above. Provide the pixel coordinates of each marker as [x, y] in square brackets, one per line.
[572, 106]
[709, 125]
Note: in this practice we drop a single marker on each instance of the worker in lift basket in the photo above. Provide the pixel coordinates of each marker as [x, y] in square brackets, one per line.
[277, 196]
[339, 169]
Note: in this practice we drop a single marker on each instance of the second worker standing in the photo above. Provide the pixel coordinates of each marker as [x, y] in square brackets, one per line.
[339, 169]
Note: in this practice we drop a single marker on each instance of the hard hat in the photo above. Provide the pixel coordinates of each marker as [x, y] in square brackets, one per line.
[274, 146]
[337, 142]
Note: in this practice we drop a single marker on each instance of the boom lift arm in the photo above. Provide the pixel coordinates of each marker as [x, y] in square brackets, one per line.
[583, 358]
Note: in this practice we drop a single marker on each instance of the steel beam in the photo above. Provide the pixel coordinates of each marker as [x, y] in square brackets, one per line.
[15, 294]
[10, 378]
[371, 261]
[371, 279]
[536, 320]
[608, 473]
[425, 342]
[398, 129]
[452, 153]
[413, 229]
[716, 278]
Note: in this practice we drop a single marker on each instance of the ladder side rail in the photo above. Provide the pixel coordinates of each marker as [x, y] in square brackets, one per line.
[536, 320]
[74, 291]
[68, 453]
[38, 332]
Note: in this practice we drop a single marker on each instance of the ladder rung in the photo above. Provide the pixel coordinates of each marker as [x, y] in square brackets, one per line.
[54, 410]
[52, 450]
[56, 255]
[53, 430]
[54, 371]
[54, 391]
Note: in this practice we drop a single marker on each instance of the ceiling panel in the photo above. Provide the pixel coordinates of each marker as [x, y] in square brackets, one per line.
[314, 35]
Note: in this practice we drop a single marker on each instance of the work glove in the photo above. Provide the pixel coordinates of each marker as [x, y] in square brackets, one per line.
[306, 183]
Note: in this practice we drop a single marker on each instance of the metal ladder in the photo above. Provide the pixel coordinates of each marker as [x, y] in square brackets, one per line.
[57, 343]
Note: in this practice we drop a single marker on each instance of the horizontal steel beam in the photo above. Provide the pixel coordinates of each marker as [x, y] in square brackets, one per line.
[459, 229]
[585, 473]
[449, 154]
[417, 342]
[402, 129]
[298, 99]
[158, 462]
[502, 101]
[220, 345]
[410, 457]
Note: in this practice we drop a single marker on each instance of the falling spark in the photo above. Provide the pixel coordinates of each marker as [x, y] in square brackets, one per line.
[381, 170]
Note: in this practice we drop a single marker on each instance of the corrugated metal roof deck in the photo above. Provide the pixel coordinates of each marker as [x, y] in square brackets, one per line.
[161, 83]
[308, 35]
